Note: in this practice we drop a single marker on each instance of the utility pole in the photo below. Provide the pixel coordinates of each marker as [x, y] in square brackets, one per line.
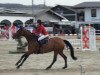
[33, 11]
[44, 3]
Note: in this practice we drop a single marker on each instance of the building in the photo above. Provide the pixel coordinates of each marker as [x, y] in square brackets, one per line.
[58, 13]
[49, 15]
[83, 13]
[88, 13]
[10, 17]
[66, 11]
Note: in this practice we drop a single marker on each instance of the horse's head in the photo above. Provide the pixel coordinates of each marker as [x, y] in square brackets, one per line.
[19, 33]
[23, 32]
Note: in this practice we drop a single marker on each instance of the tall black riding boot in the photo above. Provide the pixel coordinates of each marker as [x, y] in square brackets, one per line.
[39, 50]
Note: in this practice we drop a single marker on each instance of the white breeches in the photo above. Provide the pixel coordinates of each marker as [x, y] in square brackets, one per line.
[42, 37]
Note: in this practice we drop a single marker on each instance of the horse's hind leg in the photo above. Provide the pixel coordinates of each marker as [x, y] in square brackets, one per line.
[54, 60]
[65, 59]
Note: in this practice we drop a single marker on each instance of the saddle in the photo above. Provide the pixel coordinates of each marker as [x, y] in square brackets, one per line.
[41, 43]
[44, 41]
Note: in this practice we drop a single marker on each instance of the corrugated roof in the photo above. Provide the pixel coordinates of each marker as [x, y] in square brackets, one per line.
[87, 5]
[4, 10]
[49, 10]
[57, 14]
[68, 7]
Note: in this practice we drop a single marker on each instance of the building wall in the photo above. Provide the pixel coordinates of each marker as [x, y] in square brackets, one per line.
[98, 14]
[88, 15]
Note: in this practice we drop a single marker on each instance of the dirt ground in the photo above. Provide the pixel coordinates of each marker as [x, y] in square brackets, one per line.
[88, 62]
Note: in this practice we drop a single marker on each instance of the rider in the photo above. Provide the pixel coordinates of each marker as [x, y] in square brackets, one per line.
[42, 33]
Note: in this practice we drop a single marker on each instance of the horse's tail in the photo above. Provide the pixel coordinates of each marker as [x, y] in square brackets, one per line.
[71, 49]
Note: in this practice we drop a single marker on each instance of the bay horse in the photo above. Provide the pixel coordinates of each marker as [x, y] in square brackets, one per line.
[55, 44]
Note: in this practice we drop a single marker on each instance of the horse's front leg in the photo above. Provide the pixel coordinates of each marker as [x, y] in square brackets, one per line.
[22, 60]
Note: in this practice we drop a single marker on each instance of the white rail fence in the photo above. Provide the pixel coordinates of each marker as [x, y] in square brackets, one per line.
[76, 43]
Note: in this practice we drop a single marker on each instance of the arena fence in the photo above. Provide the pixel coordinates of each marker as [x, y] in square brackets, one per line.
[76, 43]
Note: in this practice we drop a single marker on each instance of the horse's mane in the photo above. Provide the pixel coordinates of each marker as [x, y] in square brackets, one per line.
[31, 34]
[27, 30]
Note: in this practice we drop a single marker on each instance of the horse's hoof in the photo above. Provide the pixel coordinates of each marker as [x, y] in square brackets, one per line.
[64, 67]
[75, 58]
[18, 67]
[48, 68]
[16, 64]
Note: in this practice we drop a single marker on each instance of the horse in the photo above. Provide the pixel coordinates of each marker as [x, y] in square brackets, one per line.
[55, 44]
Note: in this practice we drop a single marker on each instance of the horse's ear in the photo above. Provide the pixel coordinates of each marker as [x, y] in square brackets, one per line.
[21, 27]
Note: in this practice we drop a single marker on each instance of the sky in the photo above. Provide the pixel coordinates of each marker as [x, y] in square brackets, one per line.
[47, 2]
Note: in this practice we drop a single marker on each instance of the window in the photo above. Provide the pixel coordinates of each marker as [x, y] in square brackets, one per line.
[93, 12]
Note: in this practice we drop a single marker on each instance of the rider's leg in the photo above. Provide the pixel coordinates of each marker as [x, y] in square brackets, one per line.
[39, 41]
[42, 37]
